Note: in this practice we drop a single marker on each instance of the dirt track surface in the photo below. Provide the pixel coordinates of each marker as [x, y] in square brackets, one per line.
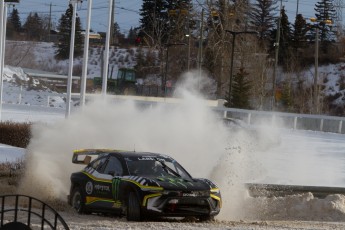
[101, 222]
[94, 222]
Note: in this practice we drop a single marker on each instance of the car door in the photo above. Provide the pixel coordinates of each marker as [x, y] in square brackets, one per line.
[114, 168]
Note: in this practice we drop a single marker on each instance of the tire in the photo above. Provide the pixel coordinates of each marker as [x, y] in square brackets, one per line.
[78, 200]
[133, 208]
[206, 218]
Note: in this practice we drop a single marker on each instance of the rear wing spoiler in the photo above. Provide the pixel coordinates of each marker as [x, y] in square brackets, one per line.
[83, 156]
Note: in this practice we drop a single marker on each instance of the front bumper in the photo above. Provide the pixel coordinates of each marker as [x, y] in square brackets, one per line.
[183, 206]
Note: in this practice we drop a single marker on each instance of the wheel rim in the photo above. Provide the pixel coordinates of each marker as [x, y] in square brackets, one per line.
[76, 200]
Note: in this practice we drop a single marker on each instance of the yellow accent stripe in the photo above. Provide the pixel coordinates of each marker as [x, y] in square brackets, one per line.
[215, 197]
[150, 196]
[90, 200]
[97, 179]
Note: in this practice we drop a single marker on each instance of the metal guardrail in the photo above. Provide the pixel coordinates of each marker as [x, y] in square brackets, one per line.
[24, 210]
[295, 121]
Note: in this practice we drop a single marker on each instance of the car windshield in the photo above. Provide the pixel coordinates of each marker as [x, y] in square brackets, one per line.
[155, 166]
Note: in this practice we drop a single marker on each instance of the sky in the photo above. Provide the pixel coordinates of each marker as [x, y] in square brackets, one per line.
[127, 11]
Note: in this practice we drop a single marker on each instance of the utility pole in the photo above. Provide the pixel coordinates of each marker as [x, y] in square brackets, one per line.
[201, 41]
[276, 45]
[297, 8]
[188, 37]
[2, 31]
[316, 90]
[50, 21]
[113, 24]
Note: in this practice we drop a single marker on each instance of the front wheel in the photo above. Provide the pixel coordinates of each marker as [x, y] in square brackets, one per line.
[78, 200]
[206, 218]
[133, 208]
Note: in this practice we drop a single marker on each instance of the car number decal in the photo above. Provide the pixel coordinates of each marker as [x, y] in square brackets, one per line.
[89, 188]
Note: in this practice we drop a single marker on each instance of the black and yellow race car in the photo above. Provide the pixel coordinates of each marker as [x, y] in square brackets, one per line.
[140, 185]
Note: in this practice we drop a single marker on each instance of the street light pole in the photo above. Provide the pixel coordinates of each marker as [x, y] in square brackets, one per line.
[71, 57]
[106, 53]
[86, 55]
[234, 33]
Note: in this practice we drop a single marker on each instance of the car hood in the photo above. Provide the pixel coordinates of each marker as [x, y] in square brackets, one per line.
[174, 183]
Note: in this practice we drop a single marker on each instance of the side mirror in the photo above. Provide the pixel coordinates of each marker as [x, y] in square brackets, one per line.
[112, 173]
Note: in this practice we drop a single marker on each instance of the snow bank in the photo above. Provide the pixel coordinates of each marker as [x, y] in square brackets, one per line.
[12, 73]
[297, 207]
[11, 154]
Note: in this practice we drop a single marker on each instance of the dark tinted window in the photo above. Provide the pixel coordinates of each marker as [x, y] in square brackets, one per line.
[113, 167]
[98, 163]
[155, 166]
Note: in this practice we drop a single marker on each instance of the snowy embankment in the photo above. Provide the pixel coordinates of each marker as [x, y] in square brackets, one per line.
[11, 154]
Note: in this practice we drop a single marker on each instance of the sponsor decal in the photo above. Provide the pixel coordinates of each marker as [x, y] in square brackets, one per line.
[89, 188]
[102, 188]
[115, 187]
[189, 194]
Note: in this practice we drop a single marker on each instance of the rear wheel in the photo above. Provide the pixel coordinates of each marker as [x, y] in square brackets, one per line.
[78, 200]
[133, 208]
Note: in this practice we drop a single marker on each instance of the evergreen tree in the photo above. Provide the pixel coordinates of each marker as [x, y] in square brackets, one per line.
[261, 17]
[120, 37]
[325, 12]
[65, 28]
[15, 20]
[132, 36]
[300, 30]
[163, 21]
[33, 27]
[14, 25]
[154, 21]
[240, 91]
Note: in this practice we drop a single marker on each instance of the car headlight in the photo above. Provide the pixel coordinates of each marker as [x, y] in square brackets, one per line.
[215, 190]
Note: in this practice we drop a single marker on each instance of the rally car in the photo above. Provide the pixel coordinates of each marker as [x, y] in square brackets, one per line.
[140, 185]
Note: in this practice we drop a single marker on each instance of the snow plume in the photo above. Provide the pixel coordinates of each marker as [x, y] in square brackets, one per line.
[188, 131]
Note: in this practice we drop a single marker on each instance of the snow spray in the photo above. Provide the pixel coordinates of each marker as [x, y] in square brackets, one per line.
[189, 131]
